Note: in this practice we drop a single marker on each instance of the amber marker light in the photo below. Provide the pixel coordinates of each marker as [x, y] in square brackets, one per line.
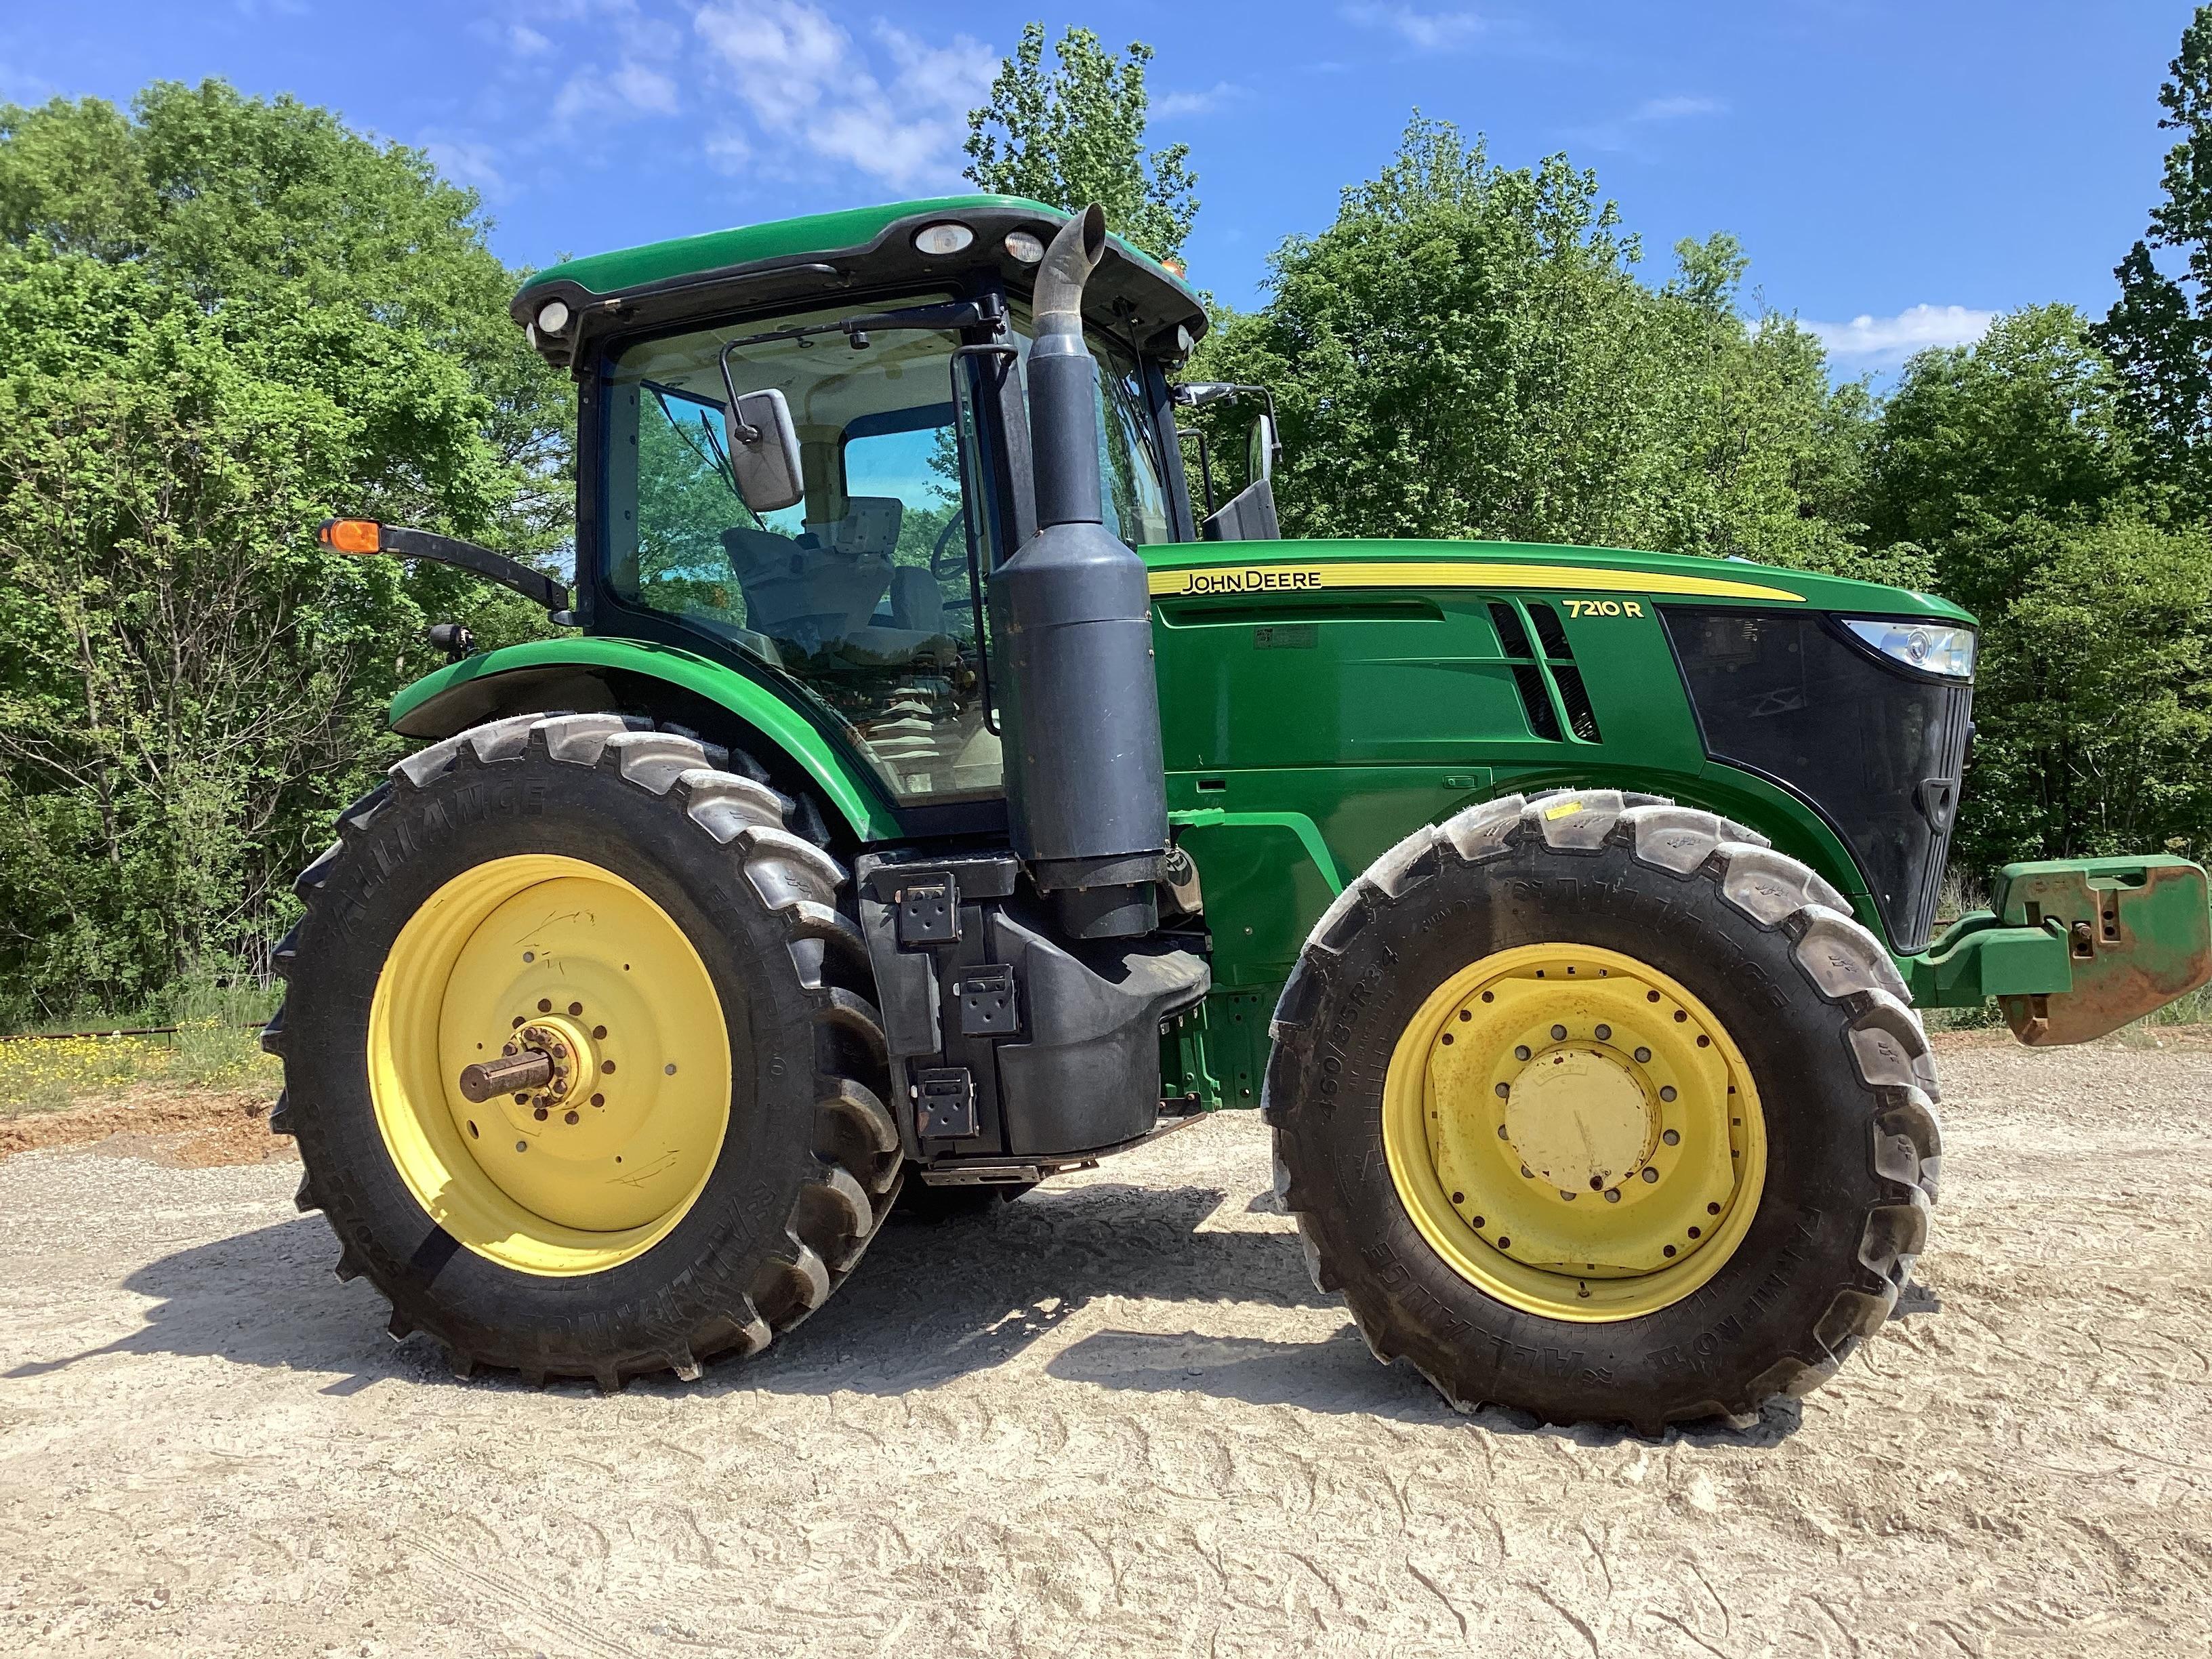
[352, 535]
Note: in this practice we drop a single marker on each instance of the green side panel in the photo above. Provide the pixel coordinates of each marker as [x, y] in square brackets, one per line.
[1263, 572]
[846, 787]
[1369, 711]
[817, 234]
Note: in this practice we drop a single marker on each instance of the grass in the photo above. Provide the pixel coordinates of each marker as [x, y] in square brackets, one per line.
[216, 1046]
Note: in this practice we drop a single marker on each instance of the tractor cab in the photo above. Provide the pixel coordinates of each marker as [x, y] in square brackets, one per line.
[860, 579]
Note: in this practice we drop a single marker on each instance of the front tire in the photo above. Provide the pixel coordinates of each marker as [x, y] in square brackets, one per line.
[713, 1152]
[1597, 1107]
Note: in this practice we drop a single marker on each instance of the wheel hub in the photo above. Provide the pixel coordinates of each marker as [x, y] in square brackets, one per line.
[592, 1151]
[570, 1047]
[1579, 1118]
[1574, 1132]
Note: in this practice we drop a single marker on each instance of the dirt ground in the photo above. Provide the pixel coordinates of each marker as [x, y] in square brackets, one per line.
[1114, 1419]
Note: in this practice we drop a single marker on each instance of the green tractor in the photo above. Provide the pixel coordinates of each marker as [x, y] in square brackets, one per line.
[933, 797]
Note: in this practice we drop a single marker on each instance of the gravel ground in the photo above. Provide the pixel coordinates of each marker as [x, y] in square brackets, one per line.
[1116, 1420]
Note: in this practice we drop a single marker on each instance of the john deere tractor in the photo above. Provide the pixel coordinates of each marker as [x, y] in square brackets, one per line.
[933, 796]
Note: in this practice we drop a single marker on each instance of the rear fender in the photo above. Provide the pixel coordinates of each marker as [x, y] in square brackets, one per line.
[571, 673]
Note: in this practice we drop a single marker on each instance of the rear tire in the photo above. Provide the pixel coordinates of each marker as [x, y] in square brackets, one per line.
[794, 1173]
[1757, 945]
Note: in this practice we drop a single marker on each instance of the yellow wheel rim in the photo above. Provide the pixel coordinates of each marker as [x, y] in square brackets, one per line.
[1574, 1132]
[549, 954]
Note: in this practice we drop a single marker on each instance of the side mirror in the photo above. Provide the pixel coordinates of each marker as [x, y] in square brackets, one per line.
[1260, 446]
[764, 449]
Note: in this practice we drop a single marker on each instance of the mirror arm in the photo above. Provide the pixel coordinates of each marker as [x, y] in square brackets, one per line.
[404, 543]
[1204, 462]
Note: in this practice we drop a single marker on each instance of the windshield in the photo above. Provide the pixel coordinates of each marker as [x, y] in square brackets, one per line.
[861, 590]
[1129, 460]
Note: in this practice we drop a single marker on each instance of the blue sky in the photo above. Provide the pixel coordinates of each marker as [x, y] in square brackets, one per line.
[1897, 172]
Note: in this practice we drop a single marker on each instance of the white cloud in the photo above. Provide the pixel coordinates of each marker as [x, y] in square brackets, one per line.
[525, 41]
[466, 163]
[1876, 341]
[1430, 31]
[1622, 132]
[728, 152]
[631, 89]
[803, 78]
[1675, 109]
[1219, 96]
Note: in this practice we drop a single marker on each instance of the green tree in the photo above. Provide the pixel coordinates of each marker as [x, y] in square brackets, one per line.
[2025, 423]
[2013, 462]
[1468, 350]
[2158, 334]
[1075, 135]
[221, 321]
[2093, 704]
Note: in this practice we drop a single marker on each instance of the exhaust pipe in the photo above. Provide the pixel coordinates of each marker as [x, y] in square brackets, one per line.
[1086, 786]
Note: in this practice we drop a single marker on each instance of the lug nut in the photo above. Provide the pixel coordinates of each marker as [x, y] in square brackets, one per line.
[1521, 1052]
[545, 1005]
[1666, 1093]
[575, 1008]
[1504, 1090]
[1643, 1056]
[573, 1117]
[1612, 1194]
[1673, 1137]
[1558, 1034]
[1651, 1174]
[1604, 1033]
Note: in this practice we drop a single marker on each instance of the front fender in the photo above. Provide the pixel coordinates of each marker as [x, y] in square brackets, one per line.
[477, 688]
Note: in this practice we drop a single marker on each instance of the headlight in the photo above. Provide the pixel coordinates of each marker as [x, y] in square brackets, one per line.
[1024, 246]
[1931, 648]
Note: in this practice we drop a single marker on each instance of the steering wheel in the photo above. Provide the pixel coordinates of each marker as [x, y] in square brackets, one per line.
[937, 552]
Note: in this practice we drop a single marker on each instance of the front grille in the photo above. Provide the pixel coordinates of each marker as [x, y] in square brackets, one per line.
[1876, 748]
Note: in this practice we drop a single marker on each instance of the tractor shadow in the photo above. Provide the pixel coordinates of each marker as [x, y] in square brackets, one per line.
[264, 1298]
[931, 1303]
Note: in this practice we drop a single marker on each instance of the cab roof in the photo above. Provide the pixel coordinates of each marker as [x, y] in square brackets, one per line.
[859, 248]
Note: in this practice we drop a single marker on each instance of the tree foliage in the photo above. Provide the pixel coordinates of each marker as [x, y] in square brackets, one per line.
[2158, 332]
[1075, 134]
[221, 321]
[2012, 462]
[1468, 350]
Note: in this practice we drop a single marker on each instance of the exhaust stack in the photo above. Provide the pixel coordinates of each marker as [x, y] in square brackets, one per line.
[1087, 789]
